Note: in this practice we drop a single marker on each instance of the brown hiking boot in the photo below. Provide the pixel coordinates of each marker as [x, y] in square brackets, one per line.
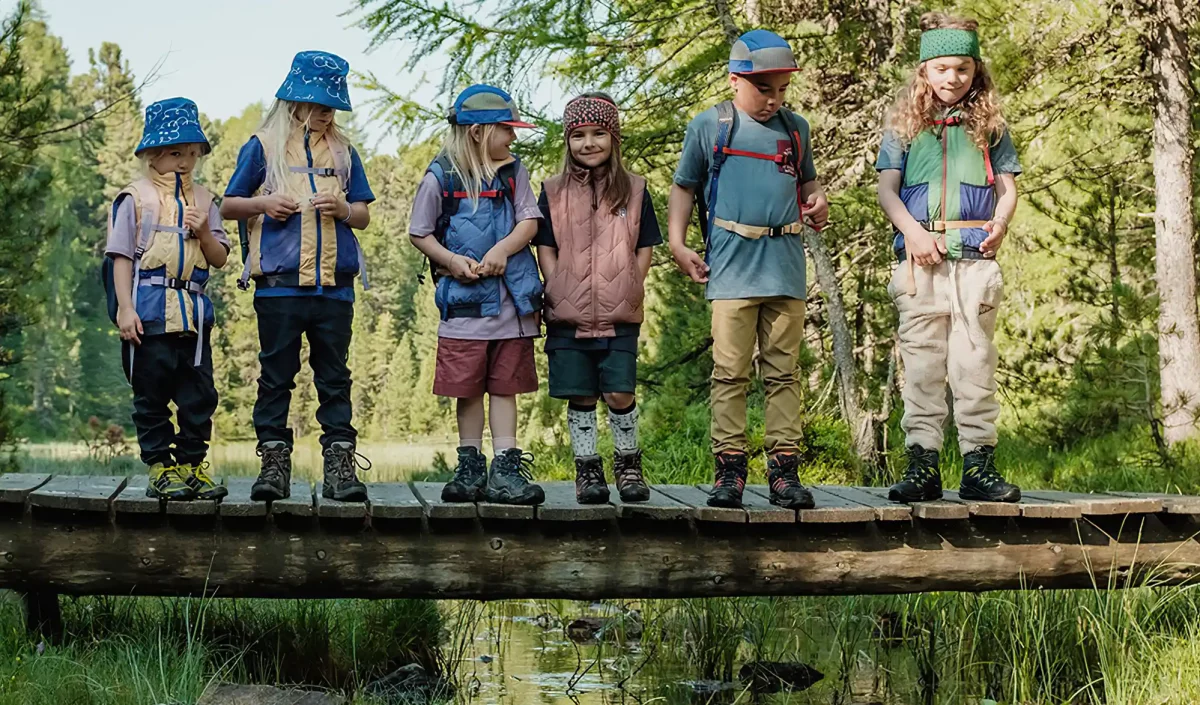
[627, 469]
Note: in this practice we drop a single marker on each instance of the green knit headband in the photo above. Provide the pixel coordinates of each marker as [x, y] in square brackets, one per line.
[936, 43]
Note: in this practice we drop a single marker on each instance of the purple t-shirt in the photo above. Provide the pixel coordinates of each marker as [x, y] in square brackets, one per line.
[427, 206]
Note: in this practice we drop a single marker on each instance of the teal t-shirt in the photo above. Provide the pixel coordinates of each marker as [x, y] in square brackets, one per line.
[751, 192]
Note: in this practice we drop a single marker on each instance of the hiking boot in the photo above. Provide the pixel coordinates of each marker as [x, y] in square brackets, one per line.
[627, 470]
[786, 490]
[196, 477]
[590, 487]
[922, 481]
[511, 479]
[981, 480]
[341, 473]
[730, 480]
[275, 480]
[166, 482]
[469, 477]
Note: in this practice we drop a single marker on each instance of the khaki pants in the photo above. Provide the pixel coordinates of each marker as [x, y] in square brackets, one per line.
[777, 325]
[946, 333]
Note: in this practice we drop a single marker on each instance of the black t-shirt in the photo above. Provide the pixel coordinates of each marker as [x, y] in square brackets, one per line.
[648, 236]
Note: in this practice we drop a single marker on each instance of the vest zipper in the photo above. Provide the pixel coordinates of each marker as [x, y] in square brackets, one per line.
[592, 252]
[179, 224]
[312, 182]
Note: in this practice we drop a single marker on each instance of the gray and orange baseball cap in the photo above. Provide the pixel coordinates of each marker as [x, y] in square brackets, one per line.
[761, 51]
[482, 104]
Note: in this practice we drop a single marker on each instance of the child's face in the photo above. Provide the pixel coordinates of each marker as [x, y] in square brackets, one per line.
[590, 145]
[179, 158]
[318, 117]
[761, 95]
[500, 141]
[951, 77]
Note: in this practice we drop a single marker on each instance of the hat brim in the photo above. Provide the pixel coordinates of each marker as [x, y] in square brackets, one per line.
[143, 147]
[518, 123]
[762, 72]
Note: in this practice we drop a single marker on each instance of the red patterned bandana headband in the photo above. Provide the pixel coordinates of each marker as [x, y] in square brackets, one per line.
[586, 111]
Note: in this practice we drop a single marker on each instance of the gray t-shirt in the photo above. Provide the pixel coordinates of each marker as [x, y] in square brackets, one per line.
[751, 192]
[427, 206]
[1003, 154]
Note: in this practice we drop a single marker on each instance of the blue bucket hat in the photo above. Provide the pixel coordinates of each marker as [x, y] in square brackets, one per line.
[482, 104]
[761, 51]
[317, 77]
[172, 121]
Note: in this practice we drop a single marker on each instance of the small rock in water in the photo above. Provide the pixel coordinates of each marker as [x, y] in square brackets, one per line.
[486, 659]
[411, 684]
[611, 628]
[773, 676]
[228, 694]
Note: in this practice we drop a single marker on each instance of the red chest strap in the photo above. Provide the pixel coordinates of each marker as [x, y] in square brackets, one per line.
[777, 158]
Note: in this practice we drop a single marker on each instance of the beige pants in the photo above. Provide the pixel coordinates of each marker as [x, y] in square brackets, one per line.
[946, 333]
[776, 324]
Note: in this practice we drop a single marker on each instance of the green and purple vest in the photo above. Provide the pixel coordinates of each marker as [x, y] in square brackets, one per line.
[946, 177]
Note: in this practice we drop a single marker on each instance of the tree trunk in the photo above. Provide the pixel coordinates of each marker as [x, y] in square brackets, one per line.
[861, 431]
[1178, 329]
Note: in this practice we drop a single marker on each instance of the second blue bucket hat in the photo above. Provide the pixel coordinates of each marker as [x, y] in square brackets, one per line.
[172, 121]
[317, 77]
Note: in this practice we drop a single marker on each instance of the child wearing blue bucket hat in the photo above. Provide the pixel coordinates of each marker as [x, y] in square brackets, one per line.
[477, 203]
[164, 235]
[748, 163]
[299, 192]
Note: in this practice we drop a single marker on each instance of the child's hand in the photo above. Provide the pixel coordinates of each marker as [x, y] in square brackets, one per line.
[463, 268]
[278, 206]
[329, 204]
[816, 209]
[691, 263]
[494, 263]
[997, 229]
[195, 220]
[130, 325]
[925, 249]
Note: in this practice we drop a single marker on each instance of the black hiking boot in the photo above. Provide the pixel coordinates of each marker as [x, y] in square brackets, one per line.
[922, 481]
[627, 470]
[275, 480]
[341, 473]
[982, 481]
[730, 480]
[590, 487]
[469, 477]
[786, 490]
[511, 479]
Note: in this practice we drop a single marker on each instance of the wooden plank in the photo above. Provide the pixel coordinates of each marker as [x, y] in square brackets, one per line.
[81, 493]
[1042, 509]
[561, 505]
[488, 510]
[884, 508]
[237, 503]
[698, 501]
[659, 507]
[393, 500]
[16, 486]
[833, 509]
[430, 495]
[759, 509]
[299, 504]
[333, 509]
[983, 509]
[1172, 503]
[1102, 504]
[196, 507]
[133, 499]
[938, 510]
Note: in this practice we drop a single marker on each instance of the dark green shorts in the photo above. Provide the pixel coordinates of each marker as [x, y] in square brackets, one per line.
[586, 369]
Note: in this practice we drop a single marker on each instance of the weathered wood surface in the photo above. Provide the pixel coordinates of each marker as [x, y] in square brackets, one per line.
[101, 535]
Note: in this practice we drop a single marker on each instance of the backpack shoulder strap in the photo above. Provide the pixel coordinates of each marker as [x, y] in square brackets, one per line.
[341, 164]
[268, 184]
[145, 198]
[793, 130]
[726, 126]
[508, 179]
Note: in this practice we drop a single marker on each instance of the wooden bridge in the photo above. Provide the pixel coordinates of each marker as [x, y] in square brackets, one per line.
[101, 535]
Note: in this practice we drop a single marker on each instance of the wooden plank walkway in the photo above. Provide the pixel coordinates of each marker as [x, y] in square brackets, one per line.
[102, 535]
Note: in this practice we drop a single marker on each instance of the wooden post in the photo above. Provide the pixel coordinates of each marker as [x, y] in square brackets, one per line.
[43, 618]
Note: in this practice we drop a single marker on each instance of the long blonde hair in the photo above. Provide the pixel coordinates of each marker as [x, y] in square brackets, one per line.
[916, 105]
[469, 157]
[281, 120]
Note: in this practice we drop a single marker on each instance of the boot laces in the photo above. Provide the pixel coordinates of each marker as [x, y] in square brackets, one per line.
[785, 476]
[516, 463]
[470, 468]
[627, 470]
[729, 473]
[274, 463]
[589, 474]
[986, 472]
[921, 467]
[346, 461]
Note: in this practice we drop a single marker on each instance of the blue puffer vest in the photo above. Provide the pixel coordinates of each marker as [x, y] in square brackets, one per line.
[471, 231]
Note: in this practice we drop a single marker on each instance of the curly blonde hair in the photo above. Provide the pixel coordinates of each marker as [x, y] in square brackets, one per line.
[916, 105]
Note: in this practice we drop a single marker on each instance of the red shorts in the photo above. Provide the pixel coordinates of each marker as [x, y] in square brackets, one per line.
[469, 368]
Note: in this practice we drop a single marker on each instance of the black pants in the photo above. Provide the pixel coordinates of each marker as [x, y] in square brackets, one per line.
[163, 372]
[326, 323]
